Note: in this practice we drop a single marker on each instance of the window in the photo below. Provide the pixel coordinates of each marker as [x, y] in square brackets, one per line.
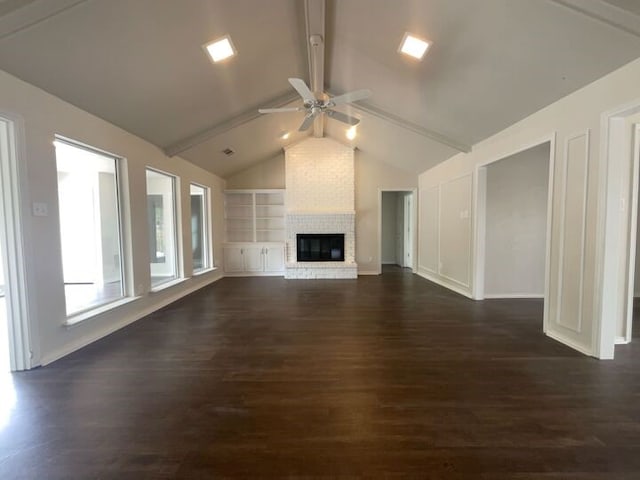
[90, 226]
[163, 241]
[200, 227]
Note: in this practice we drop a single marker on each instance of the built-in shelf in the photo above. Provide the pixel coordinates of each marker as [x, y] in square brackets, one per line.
[254, 216]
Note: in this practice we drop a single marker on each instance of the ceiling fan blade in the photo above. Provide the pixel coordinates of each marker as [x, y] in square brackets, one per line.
[278, 110]
[344, 118]
[350, 97]
[301, 87]
[307, 122]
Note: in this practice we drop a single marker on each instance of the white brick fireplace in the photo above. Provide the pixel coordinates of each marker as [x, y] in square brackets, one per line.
[320, 195]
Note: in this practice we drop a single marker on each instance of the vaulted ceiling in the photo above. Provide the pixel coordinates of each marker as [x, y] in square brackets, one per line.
[140, 65]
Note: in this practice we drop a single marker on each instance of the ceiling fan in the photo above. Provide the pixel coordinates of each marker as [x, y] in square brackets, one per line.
[315, 107]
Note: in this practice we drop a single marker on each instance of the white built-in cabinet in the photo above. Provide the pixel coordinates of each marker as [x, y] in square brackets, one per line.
[251, 259]
[254, 232]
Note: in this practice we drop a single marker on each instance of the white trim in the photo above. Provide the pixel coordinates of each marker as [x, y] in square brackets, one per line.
[127, 320]
[606, 269]
[254, 274]
[479, 200]
[632, 233]
[493, 296]
[547, 259]
[168, 284]
[563, 239]
[79, 317]
[204, 271]
[17, 289]
[208, 228]
[447, 285]
[569, 343]
[622, 341]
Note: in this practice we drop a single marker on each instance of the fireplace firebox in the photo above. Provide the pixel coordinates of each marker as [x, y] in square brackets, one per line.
[320, 247]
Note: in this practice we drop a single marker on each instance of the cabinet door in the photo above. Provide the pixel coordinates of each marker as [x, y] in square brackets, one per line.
[233, 259]
[252, 259]
[274, 259]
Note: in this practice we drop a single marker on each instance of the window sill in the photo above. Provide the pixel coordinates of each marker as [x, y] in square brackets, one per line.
[204, 270]
[169, 284]
[76, 318]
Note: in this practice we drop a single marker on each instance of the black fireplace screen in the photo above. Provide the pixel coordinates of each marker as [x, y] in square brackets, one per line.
[320, 247]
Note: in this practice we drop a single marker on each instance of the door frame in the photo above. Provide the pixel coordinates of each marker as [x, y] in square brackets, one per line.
[12, 238]
[414, 223]
[480, 207]
[614, 150]
[407, 201]
[632, 233]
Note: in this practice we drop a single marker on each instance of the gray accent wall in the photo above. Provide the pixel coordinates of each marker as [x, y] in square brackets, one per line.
[516, 224]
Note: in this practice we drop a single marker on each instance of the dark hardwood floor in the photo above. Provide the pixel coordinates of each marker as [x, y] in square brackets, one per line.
[383, 377]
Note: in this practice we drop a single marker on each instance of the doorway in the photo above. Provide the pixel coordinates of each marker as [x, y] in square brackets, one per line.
[15, 344]
[514, 222]
[397, 228]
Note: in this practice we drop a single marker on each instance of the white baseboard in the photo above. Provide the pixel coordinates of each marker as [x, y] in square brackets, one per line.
[570, 343]
[368, 272]
[621, 341]
[127, 320]
[446, 284]
[489, 296]
[254, 274]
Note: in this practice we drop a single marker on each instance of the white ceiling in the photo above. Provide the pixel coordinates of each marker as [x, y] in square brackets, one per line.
[139, 64]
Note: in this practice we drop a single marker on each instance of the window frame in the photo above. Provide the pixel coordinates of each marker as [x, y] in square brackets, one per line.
[177, 231]
[207, 250]
[124, 260]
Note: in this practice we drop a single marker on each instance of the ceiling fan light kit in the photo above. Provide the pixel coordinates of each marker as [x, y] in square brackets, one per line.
[314, 106]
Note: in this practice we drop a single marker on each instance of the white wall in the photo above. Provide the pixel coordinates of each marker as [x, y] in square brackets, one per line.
[266, 174]
[373, 175]
[389, 227]
[516, 224]
[41, 116]
[576, 234]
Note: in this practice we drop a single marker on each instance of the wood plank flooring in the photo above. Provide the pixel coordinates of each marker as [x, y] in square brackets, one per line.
[383, 377]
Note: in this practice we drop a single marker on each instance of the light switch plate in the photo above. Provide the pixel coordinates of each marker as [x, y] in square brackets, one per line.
[40, 209]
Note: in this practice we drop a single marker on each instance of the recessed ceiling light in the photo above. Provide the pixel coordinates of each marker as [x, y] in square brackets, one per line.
[220, 49]
[351, 133]
[413, 46]
[285, 135]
